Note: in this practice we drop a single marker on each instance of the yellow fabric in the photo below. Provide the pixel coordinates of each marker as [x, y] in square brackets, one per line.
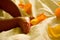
[37, 32]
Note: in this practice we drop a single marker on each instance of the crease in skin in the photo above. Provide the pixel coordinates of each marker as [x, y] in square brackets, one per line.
[10, 7]
[7, 24]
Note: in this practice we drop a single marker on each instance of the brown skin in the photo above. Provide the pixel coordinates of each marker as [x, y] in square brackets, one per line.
[7, 24]
[25, 26]
[10, 7]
